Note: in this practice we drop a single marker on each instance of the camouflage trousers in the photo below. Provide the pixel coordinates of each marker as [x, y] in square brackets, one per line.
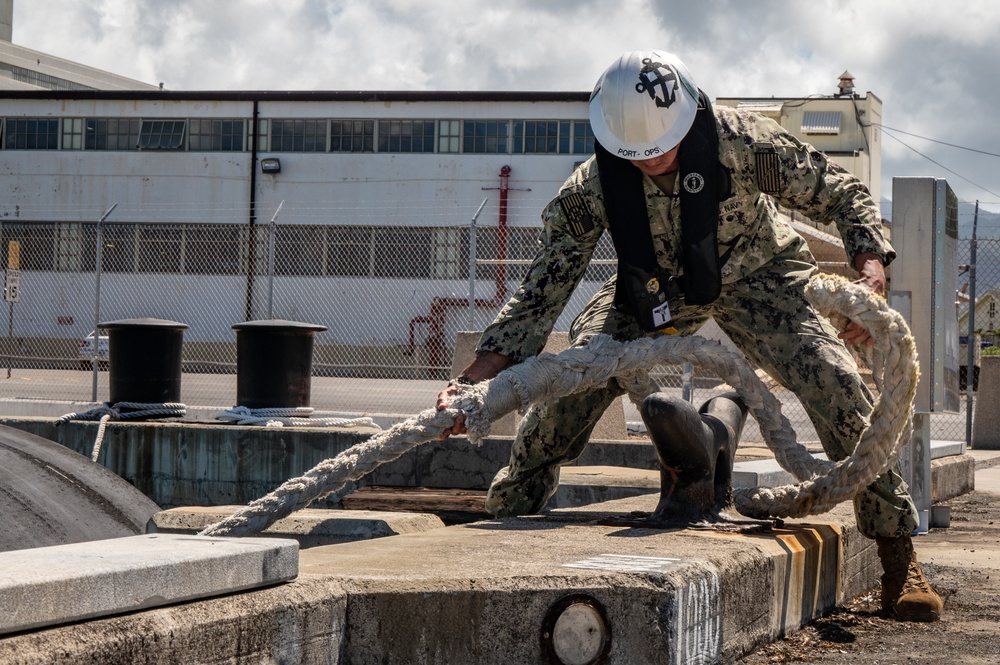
[769, 319]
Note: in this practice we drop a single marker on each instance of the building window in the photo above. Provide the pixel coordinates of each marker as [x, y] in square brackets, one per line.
[216, 135]
[821, 122]
[263, 136]
[118, 248]
[162, 135]
[158, 250]
[352, 136]
[520, 244]
[72, 138]
[449, 135]
[583, 138]
[31, 134]
[212, 250]
[298, 136]
[348, 251]
[111, 134]
[485, 136]
[541, 136]
[406, 136]
[451, 253]
[402, 252]
[298, 250]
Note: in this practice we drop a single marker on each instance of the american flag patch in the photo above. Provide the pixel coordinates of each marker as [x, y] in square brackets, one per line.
[578, 213]
[768, 168]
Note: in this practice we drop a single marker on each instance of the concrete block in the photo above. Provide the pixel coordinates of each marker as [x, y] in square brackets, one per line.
[310, 527]
[952, 476]
[47, 586]
[584, 485]
[301, 621]
[666, 596]
[942, 448]
[611, 426]
[760, 473]
[764, 473]
[635, 454]
[986, 417]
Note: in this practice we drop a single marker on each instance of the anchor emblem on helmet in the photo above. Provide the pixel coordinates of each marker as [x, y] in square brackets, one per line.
[656, 77]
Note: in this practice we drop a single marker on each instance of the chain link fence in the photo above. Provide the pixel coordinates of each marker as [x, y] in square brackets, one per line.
[393, 287]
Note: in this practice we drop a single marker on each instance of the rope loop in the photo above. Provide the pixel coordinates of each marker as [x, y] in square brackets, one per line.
[123, 411]
[822, 484]
[298, 416]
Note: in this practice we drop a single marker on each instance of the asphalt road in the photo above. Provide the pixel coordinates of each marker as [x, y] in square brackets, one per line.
[206, 394]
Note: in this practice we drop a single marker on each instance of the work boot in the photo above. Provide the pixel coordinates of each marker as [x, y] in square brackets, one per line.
[905, 591]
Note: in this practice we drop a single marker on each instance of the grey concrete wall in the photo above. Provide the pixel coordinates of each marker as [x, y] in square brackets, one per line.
[212, 464]
[986, 418]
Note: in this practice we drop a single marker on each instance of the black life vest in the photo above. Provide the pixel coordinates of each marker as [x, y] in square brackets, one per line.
[643, 287]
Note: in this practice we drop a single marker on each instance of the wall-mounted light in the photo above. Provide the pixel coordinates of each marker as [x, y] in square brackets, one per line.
[270, 165]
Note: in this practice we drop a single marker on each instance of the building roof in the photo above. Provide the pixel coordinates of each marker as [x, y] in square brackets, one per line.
[308, 95]
[758, 106]
[24, 69]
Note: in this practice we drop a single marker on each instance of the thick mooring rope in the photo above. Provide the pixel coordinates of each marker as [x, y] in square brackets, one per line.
[823, 484]
[294, 416]
[123, 411]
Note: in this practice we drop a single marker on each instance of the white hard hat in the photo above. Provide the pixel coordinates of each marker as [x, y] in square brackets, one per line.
[643, 104]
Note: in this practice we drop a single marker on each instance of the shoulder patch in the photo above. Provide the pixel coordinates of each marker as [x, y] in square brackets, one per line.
[767, 167]
[576, 208]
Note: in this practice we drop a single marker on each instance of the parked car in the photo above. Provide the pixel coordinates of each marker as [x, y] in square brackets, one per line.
[86, 351]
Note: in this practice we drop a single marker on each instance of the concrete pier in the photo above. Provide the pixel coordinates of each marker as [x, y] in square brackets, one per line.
[493, 591]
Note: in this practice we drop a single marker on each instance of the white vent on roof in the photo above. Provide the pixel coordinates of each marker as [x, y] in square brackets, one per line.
[821, 122]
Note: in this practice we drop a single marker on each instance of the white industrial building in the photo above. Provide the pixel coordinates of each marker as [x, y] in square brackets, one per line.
[369, 196]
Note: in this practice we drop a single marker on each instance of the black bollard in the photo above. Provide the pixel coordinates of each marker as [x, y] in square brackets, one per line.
[696, 451]
[145, 360]
[274, 363]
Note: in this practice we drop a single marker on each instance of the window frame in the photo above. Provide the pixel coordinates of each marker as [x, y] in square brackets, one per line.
[169, 134]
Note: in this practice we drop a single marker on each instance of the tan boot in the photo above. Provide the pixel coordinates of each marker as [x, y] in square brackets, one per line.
[905, 591]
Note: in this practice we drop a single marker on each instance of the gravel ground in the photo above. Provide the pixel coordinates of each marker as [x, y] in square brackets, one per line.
[961, 562]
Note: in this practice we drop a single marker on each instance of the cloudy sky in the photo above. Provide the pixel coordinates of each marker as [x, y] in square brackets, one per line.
[935, 66]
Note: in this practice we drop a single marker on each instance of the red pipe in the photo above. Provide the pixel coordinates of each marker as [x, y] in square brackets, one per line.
[436, 348]
[501, 282]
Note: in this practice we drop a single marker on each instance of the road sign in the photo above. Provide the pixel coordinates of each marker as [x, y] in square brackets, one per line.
[12, 286]
[14, 255]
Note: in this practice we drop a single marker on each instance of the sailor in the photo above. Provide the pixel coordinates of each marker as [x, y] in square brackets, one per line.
[690, 194]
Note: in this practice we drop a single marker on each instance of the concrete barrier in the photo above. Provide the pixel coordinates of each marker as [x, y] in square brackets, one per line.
[986, 418]
[47, 586]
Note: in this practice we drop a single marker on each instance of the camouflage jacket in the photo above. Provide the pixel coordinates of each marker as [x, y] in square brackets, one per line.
[807, 182]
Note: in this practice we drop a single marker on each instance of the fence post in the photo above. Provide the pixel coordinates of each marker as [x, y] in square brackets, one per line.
[97, 302]
[272, 231]
[472, 265]
[970, 368]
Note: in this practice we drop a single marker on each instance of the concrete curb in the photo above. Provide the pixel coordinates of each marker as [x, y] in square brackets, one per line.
[310, 527]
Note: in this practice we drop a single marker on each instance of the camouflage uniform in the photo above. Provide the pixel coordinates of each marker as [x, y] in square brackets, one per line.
[762, 308]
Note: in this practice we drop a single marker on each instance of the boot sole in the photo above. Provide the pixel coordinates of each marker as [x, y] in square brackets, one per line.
[920, 617]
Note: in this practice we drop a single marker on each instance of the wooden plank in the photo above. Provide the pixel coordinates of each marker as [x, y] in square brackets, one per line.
[451, 505]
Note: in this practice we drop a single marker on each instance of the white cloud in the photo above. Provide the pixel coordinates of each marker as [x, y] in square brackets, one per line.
[934, 67]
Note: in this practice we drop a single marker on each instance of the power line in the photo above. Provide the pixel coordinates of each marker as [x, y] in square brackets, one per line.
[950, 145]
[889, 134]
